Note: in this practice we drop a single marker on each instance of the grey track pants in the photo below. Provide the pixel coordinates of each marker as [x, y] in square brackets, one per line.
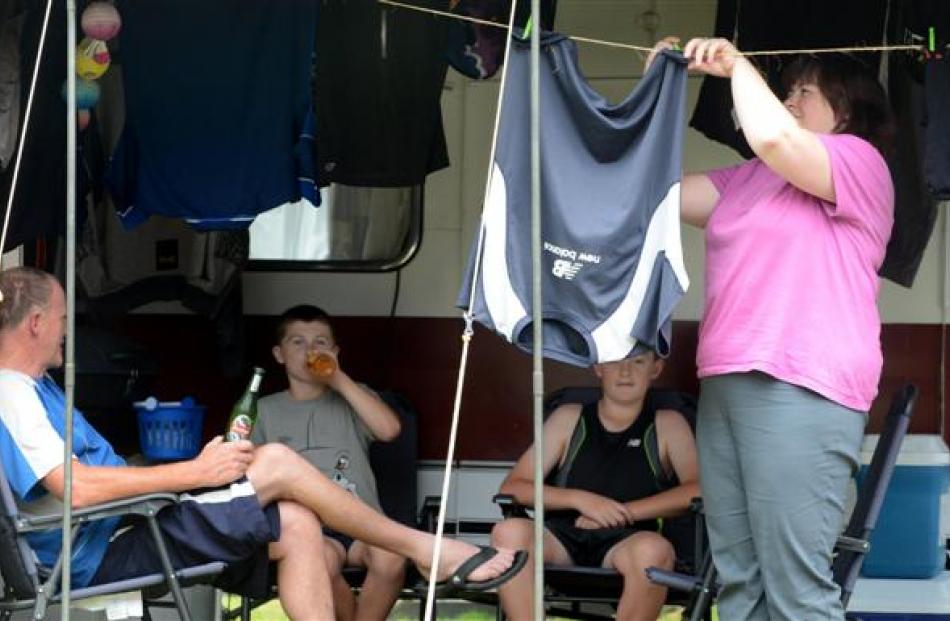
[775, 462]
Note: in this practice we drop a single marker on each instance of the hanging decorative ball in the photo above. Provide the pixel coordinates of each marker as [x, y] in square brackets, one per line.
[87, 94]
[82, 119]
[92, 58]
[101, 21]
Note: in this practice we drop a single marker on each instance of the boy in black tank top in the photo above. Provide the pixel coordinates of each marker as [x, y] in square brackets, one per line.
[601, 492]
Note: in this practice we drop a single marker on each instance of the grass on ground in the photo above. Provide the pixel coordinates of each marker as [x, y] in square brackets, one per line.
[408, 611]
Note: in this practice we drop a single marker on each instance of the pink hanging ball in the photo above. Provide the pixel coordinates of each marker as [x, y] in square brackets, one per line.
[82, 119]
[101, 21]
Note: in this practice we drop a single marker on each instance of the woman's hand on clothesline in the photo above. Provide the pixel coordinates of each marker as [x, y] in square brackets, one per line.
[715, 57]
[666, 43]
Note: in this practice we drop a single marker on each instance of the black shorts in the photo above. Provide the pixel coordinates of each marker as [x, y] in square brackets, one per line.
[587, 547]
[345, 540]
[223, 524]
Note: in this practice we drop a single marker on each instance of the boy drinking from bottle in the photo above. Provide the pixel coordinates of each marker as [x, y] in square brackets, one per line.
[329, 419]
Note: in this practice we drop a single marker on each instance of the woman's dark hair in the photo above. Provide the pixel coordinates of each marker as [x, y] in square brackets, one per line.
[852, 90]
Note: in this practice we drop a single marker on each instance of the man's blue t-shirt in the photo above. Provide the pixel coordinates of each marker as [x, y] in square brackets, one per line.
[32, 428]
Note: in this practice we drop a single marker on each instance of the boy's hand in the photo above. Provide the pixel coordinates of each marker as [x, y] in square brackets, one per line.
[602, 511]
[586, 523]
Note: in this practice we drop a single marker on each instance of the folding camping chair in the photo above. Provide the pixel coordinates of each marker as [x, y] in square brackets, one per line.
[29, 585]
[573, 586]
[854, 544]
[394, 466]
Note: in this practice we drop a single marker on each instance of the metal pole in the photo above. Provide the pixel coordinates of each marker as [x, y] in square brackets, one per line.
[69, 371]
[942, 208]
[536, 304]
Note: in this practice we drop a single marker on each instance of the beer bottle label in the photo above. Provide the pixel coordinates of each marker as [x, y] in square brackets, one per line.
[240, 428]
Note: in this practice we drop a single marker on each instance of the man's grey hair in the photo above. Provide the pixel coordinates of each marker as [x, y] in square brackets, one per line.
[24, 289]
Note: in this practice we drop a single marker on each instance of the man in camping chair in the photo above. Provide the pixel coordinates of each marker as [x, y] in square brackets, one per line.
[602, 498]
[330, 420]
[265, 503]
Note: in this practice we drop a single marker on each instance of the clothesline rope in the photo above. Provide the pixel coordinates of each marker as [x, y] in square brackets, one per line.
[640, 48]
[467, 334]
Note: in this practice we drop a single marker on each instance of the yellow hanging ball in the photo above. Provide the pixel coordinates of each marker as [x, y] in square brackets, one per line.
[92, 58]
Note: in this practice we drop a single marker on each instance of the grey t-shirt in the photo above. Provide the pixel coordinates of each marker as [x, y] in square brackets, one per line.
[327, 432]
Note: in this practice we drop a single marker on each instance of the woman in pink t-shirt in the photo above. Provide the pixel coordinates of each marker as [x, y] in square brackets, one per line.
[789, 346]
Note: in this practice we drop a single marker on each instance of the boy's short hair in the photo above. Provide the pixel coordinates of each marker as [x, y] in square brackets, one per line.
[302, 312]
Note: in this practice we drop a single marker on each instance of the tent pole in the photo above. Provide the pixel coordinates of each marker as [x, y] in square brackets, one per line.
[69, 371]
[942, 209]
[536, 304]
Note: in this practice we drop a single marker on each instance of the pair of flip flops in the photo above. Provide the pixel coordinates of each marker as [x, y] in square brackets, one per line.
[459, 581]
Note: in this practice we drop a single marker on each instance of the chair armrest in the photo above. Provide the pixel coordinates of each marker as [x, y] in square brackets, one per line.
[510, 508]
[674, 580]
[852, 544]
[147, 504]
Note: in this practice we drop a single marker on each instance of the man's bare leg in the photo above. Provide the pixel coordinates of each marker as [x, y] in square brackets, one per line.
[279, 473]
[517, 595]
[385, 574]
[344, 603]
[641, 600]
[302, 579]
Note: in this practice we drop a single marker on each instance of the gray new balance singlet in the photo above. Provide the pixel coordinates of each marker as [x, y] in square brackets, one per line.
[612, 259]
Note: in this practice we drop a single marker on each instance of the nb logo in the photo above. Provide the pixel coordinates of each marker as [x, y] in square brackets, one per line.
[566, 269]
[633, 442]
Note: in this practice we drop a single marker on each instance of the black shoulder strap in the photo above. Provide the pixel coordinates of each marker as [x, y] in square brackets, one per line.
[573, 446]
[666, 399]
[651, 447]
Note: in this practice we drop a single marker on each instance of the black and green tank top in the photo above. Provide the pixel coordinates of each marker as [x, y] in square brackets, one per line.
[622, 465]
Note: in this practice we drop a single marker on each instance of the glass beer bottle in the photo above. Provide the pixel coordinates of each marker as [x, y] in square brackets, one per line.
[244, 412]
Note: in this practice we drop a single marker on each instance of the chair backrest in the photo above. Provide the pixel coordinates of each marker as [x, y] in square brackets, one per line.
[394, 464]
[847, 563]
[17, 566]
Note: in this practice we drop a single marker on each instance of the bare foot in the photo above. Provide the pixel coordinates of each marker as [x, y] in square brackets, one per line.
[455, 552]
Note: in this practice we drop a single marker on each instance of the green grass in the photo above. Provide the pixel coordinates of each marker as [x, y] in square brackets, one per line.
[407, 611]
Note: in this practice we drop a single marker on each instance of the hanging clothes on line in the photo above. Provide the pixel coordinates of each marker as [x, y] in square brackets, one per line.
[217, 102]
[937, 163]
[915, 210]
[612, 263]
[478, 50]
[754, 25]
[39, 203]
[11, 25]
[920, 112]
[378, 76]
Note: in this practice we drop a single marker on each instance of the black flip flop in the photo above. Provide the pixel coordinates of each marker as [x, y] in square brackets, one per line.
[459, 581]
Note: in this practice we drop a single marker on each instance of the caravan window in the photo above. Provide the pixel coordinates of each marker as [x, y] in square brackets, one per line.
[354, 229]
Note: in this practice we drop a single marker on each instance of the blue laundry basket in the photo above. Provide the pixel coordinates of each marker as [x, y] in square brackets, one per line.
[169, 430]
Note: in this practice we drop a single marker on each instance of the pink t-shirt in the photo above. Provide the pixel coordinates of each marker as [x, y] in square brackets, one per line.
[791, 280]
